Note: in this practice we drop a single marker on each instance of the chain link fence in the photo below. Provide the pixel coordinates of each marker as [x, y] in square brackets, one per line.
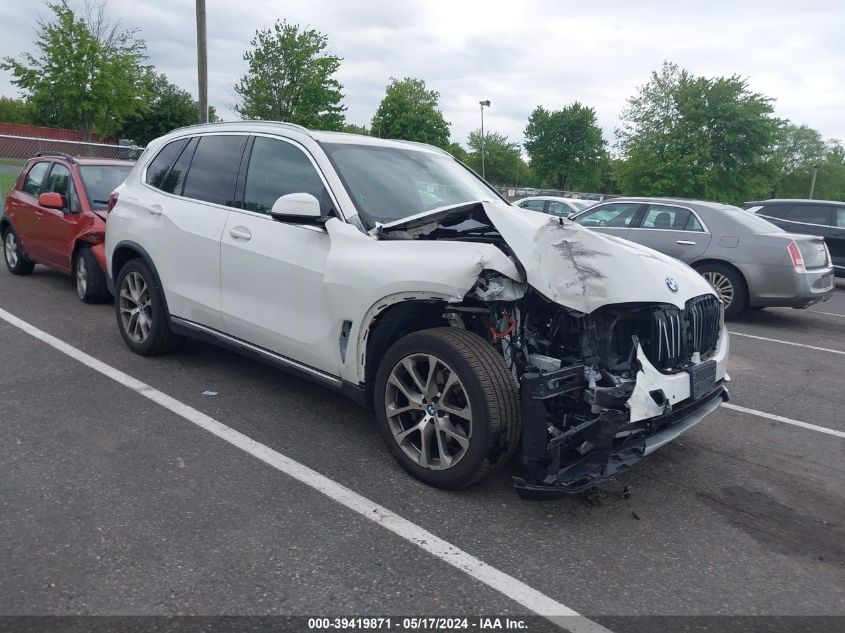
[515, 193]
[16, 150]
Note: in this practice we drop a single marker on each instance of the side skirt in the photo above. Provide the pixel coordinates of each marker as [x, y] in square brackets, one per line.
[199, 332]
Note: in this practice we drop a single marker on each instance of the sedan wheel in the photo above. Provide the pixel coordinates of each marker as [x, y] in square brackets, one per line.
[135, 307]
[722, 285]
[428, 411]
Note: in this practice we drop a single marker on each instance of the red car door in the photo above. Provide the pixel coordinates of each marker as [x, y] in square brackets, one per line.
[26, 214]
[57, 228]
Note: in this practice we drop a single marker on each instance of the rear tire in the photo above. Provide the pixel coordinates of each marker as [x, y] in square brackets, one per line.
[729, 286]
[141, 313]
[89, 278]
[456, 418]
[16, 260]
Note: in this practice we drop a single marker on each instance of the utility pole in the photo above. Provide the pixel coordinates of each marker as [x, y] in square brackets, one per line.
[202, 63]
[813, 182]
[482, 104]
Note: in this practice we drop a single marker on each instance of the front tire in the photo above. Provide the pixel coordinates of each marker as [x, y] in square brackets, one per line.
[447, 406]
[16, 260]
[89, 278]
[729, 285]
[141, 313]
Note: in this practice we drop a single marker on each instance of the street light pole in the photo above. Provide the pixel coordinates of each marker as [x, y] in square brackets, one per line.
[486, 102]
[202, 64]
[813, 182]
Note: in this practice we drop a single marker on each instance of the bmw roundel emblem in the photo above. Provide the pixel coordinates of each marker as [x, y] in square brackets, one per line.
[672, 284]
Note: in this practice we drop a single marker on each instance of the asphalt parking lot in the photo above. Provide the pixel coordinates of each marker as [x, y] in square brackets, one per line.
[112, 504]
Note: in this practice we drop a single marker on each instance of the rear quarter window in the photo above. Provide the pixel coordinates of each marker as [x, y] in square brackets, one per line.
[157, 171]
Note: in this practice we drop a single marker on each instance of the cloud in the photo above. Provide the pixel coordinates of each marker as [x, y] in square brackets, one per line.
[517, 53]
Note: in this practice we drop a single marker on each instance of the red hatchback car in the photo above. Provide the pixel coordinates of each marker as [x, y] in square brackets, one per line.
[56, 215]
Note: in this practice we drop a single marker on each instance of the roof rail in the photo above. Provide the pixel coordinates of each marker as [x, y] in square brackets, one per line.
[67, 157]
[293, 126]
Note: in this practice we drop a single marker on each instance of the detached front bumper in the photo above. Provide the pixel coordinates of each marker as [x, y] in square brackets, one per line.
[545, 475]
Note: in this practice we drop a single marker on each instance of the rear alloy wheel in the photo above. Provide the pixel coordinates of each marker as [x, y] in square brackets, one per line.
[141, 313]
[89, 278]
[447, 406]
[729, 285]
[16, 261]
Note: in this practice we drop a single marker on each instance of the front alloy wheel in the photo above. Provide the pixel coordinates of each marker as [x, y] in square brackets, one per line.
[447, 406]
[428, 411]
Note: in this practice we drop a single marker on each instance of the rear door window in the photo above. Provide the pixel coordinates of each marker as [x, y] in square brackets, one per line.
[839, 220]
[612, 215]
[669, 218]
[809, 214]
[213, 173]
[534, 205]
[157, 171]
[277, 168]
[559, 209]
[34, 179]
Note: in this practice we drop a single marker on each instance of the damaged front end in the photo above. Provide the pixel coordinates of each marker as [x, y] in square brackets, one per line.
[609, 366]
[599, 392]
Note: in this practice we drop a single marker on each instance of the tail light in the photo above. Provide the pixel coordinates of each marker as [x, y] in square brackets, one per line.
[795, 255]
[829, 258]
[113, 201]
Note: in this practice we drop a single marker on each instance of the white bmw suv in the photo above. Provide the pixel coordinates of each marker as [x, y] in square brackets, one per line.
[390, 271]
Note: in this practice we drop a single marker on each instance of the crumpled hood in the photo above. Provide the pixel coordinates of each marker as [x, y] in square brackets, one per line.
[576, 267]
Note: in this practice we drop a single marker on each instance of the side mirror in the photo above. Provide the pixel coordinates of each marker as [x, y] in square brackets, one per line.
[297, 208]
[51, 200]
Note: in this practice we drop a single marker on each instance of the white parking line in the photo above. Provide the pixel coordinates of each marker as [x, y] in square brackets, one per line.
[774, 340]
[827, 313]
[509, 586]
[780, 418]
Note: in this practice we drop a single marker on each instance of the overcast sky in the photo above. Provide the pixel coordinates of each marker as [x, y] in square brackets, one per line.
[519, 54]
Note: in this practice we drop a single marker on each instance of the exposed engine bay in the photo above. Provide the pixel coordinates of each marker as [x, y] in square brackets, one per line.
[594, 387]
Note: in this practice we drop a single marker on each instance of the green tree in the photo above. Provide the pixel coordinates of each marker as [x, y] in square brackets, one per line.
[291, 78]
[15, 111]
[409, 111]
[352, 128]
[565, 146]
[170, 107]
[75, 80]
[699, 137]
[502, 159]
[830, 175]
[458, 152]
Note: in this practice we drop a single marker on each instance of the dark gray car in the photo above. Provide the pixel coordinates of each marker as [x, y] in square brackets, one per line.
[748, 260]
[820, 217]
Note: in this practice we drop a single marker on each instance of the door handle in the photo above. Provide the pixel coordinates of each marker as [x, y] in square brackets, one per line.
[155, 209]
[240, 233]
[685, 242]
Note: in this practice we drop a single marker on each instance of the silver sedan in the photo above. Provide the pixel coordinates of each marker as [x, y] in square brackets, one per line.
[555, 205]
[749, 261]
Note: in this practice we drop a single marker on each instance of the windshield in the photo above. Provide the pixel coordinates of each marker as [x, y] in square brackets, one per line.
[391, 183]
[749, 220]
[101, 180]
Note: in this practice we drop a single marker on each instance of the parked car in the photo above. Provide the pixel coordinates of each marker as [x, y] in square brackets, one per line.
[554, 205]
[55, 215]
[819, 217]
[469, 326]
[748, 260]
